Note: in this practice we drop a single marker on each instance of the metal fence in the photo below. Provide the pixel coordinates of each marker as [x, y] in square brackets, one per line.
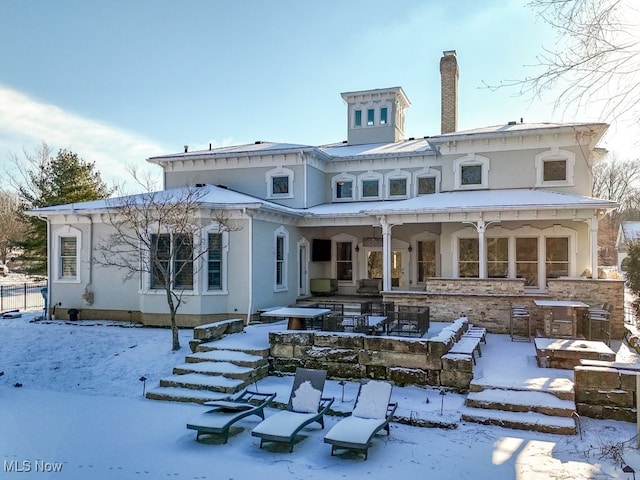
[27, 296]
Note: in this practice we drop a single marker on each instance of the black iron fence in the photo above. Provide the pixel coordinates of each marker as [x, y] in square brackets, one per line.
[26, 296]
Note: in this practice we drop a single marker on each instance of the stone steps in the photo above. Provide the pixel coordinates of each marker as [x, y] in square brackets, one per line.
[216, 369]
[521, 410]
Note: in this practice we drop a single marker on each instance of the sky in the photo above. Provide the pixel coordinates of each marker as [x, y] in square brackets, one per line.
[118, 82]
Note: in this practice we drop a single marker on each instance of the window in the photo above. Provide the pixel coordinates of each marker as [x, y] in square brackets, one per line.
[370, 188]
[358, 118]
[527, 260]
[557, 253]
[214, 261]
[383, 115]
[281, 259]
[68, 257]
[398, 187]
[426, 185]
[468, 258]
[555, 168]
[497, 257]
[471, 175]
[344, 189]
[344, 261]
[554, 171]
[426, 259]
[279, 183]
[471, 171]
[370, 116]
[163, 246]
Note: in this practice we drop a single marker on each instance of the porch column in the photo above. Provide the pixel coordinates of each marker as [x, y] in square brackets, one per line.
[482, 254]
[593, 237]
[386, 253]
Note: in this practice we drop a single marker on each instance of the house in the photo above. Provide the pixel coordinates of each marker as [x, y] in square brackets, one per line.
[628, 232]
[467, 221]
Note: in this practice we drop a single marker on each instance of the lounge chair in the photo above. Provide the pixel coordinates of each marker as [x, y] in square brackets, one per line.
[305, 406]
[372, 413]
[225, 413]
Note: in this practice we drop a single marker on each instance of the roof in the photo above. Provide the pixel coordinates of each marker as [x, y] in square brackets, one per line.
[423, 145]
[445, 202]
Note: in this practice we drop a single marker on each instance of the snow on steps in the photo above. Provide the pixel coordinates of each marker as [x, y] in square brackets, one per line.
[237, 357]
[198, 381]
[226, 369]
[522, 410]
[521, 420]
[189, 395]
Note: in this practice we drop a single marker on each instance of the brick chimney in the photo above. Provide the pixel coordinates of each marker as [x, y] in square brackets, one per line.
[449, 92]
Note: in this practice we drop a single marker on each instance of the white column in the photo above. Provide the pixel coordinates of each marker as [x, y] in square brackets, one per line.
[482, 254]
[386, 253]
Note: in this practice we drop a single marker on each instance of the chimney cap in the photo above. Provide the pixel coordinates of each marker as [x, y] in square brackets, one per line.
[449, 53]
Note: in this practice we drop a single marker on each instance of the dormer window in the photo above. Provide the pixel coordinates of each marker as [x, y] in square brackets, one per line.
[383, 115]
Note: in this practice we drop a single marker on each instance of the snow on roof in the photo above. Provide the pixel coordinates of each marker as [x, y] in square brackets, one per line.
[210, 196]
[516, 127]
[507, 199]
[341, 150]
[631, 231]
[246, 149]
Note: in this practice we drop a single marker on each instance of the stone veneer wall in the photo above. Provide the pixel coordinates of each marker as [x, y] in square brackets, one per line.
[605, 392]
[487, 303]
[352, 356]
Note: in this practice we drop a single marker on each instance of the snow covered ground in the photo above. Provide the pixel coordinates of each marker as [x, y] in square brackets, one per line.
[80, 414]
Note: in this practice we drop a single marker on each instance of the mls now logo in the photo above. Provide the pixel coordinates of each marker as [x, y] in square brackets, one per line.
[29, 466]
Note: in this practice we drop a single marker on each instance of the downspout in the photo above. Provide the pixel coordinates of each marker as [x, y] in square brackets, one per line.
[87, 295]
[49, 270]
[304, 180]
[250, 289]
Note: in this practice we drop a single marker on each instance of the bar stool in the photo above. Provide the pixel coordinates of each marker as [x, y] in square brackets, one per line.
[520, 321]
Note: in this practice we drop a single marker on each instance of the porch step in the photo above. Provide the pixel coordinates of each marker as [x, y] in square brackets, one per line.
[520, 420]
[220, 346]
[198, 381]
[225, 369]
[242, 359]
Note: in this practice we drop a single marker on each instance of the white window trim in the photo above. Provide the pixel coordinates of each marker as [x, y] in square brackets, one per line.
[147, 289]
[279, 172]
[224, 258]
[555, 154]
[397, 175]
[371, 176]
[344, 177]
[469, 160]
[281, 232]
[65, 232]
[426, 172]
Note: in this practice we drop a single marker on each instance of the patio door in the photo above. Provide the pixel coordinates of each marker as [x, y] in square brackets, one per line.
[398, 268]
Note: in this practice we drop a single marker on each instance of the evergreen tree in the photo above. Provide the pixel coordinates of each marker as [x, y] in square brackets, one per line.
[59, 180]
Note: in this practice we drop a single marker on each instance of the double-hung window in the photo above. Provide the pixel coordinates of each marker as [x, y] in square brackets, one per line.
[344, 261]
[68, 257]
[498, 257]
[468, 258]
[214, 264]
[171, 258]
[426, 259]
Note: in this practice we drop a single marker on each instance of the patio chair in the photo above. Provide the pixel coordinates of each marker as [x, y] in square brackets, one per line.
[306, 405]
[372, 413]
[225, 413]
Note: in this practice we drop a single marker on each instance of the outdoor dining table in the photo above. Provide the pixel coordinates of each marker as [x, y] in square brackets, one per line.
[296, 315]
[576, 307]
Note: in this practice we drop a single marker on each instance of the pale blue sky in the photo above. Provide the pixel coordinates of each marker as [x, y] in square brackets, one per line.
[118, 81]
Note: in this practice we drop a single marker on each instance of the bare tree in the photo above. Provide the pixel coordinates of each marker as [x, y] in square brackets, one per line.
[596, 57]
[617, 180]
[12, 225]
[157, 235]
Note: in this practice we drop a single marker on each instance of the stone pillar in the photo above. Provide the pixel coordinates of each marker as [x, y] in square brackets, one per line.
[386, 253]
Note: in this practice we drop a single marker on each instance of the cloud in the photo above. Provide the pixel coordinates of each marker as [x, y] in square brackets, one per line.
[25, 123]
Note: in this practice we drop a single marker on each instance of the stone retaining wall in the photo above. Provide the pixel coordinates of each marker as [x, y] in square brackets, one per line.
[605, 392]
[351, 356]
